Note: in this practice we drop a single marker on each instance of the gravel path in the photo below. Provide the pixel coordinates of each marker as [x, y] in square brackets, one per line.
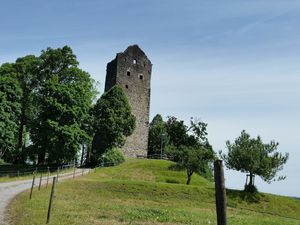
[9, 190]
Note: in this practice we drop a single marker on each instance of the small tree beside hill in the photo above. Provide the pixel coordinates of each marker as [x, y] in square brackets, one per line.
[192, 159]
[251, 155]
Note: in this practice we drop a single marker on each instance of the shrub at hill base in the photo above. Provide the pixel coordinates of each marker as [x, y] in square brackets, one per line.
[112, 157]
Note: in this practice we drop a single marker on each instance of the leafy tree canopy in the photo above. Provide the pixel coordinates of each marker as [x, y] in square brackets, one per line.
[252, 156]
[113, 121]
[54, 101]
[188, 146]
[10, 108]
[65, 95]
[181, 134]
[158, 137]
[192, 159]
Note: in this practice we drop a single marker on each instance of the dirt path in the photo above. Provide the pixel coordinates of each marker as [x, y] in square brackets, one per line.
[9, 190]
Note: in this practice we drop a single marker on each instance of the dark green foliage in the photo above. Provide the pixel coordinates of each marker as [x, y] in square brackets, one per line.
[186, 145]
[112, 157]
[181, 134]
[2, 162]
[53, 107]
[113, 121]
[192, 159]
[25, 72]
[65, 96]
[177, 132]
[10, 109]
[249, 188]
[158, 137]
[251, 155]
[250, 196]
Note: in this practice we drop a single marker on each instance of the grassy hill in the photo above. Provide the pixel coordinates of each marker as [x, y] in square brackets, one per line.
[148, 192]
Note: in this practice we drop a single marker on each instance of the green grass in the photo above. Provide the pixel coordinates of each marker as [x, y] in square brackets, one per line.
[147, 192]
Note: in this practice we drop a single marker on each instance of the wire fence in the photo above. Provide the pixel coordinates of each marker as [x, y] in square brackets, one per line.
[28, 171]
[154, 156]
[53, 179]
[45, 169]
[104, 163]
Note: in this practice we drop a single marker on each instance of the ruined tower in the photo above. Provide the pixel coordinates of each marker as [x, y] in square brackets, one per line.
[131, 70]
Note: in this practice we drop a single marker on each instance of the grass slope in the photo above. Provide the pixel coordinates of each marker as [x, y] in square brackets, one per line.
[147, 192]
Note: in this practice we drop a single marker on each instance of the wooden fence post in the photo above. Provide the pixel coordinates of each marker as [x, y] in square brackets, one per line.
[74, 171]
[33, 179]
[41, 177]
[51, 200]
[220, 192]
[48, 177]
[57, 174]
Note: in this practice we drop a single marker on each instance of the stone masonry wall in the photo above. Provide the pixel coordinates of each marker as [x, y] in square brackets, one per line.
[131, 69]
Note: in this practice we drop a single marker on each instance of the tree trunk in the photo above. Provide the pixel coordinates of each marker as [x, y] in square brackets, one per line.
[189, 176]
[82, 155]
[41, 157]
[251, 181]
[20, 140]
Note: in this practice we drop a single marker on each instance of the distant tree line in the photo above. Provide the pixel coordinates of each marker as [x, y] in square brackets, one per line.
[188, 146]
[48, 110]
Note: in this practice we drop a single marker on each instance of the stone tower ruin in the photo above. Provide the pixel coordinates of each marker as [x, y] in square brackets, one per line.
[131, 70]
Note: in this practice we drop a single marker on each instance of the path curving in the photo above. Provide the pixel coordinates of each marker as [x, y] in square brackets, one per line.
[10, 190]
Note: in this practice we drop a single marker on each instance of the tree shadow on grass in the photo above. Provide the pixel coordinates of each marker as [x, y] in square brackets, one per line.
[176, 167]
[235, 196]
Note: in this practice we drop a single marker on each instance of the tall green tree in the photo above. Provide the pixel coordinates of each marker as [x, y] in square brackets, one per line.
[251, 155]
[113, 121]
[65, 95]
[158, 137]
[10, 109]
[27, 73]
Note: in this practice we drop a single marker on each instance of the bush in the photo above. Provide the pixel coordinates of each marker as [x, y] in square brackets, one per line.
[251, 189]
[112, 157]
[2, 162]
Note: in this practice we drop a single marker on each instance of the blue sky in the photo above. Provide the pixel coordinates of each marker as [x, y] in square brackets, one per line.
[234, 64]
